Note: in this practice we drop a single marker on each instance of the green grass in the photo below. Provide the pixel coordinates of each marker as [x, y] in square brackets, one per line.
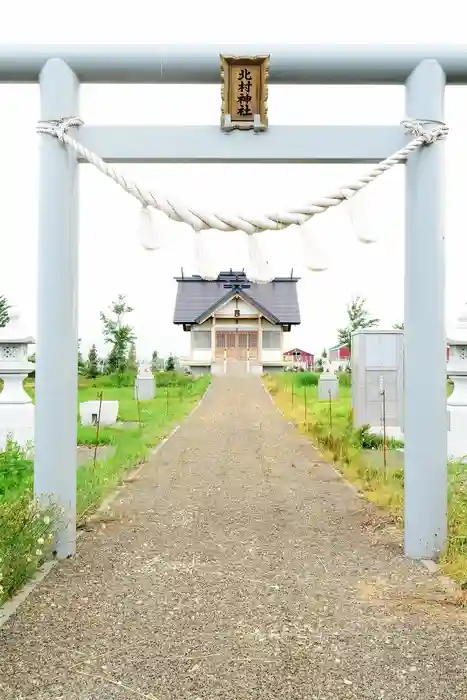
[26, 532]
[329, 425]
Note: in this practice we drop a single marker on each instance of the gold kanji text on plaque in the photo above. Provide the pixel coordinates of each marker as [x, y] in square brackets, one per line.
[244, 91]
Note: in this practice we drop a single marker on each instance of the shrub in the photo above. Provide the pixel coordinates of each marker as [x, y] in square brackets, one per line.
[363, 439]
[308, 379]
[26, 530]
[345, 379]
[173, 379]
[26, 538]
[170, 364]
[16, 473]
[109, 381]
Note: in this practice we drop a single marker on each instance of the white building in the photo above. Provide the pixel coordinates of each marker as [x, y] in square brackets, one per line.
[235, 322]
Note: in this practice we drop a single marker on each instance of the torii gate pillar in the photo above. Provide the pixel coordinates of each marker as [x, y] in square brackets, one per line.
[57, 322]
[425, 421]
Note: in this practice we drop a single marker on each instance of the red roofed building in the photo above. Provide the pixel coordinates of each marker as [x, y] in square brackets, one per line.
[300, 358]
[339, 356]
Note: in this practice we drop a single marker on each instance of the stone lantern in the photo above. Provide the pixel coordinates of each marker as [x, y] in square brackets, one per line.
[457, 401]
[16, 407]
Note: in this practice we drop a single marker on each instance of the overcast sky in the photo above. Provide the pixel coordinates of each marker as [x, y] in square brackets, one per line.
[112, 261]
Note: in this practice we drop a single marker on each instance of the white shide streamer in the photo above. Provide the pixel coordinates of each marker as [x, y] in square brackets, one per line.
[314, 258]
[205, 263]
[362, 223]
[361, 213]
[258, 268]
[148, 231]
[199, 219]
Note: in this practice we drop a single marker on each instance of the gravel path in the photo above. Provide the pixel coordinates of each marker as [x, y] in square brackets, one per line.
[239, 566]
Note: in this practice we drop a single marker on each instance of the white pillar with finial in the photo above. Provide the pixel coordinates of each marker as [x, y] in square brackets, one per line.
[457, 401]
[16, 407]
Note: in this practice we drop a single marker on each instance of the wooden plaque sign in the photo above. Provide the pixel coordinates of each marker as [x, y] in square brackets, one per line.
[244, 92]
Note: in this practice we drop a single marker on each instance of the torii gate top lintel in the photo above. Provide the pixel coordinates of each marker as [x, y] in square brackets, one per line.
[305, 64]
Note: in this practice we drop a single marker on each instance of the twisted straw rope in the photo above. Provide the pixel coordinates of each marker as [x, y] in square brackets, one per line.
[199, 219]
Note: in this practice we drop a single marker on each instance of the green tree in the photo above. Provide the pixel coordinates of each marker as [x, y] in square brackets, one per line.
[358, 317]
[4, 307]
[154, 361]
[170, 364]
[118, 334]
[319, 364]
[399, 326]
[81, 362]
[132, 358]
[92, 365]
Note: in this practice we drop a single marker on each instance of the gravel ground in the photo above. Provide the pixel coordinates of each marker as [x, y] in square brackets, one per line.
[237, 566]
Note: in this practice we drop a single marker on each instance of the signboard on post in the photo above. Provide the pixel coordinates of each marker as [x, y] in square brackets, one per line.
[244, 92]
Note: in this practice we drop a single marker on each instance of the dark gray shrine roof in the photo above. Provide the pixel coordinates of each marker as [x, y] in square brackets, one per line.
[277, 299]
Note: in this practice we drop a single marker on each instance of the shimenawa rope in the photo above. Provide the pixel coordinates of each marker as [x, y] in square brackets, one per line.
[199, 219]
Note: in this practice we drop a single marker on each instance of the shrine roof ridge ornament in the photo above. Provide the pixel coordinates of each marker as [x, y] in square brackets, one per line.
[300, 64]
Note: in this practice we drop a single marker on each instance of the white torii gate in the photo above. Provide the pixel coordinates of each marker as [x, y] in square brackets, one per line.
[423, 70]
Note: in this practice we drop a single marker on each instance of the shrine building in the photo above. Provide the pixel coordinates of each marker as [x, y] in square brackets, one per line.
[233, 322]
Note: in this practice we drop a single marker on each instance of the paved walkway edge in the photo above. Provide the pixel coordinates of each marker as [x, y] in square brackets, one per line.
[429, 564]
[10, 607]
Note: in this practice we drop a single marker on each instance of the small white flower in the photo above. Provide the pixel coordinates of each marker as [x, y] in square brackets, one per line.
[46, 520]
[28, 559]
[40, 540]
[38, 552]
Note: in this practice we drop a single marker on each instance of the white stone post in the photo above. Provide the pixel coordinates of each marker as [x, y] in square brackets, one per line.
[328, 383]
[57, 326]
[145, 383]
[16, 407]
